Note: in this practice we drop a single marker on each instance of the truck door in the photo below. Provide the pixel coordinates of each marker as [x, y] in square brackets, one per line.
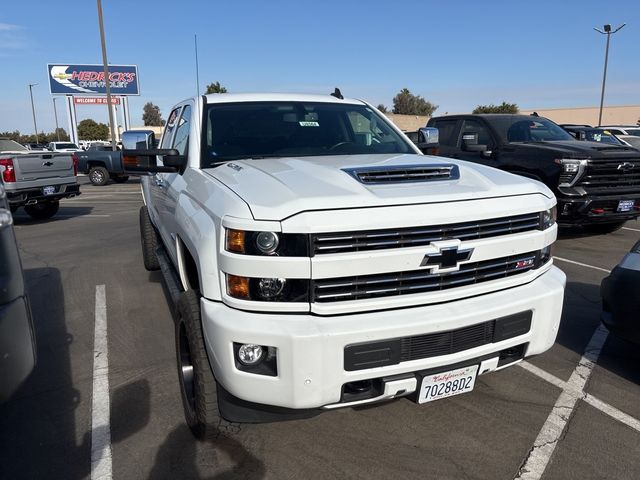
[157, 181]
[170, 184]
[475, 142]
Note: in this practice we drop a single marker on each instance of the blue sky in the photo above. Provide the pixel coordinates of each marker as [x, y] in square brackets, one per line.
[460, 54]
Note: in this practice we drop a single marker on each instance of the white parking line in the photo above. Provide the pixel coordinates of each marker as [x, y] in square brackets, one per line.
[551, 431]
[632, 229]
[100, 416]
[613, 412]
[581, 264]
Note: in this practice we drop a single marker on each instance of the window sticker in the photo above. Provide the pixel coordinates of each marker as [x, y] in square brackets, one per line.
[309, 124]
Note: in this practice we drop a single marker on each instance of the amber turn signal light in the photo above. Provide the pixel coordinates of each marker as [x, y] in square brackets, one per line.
[235, 241]
[238, 287]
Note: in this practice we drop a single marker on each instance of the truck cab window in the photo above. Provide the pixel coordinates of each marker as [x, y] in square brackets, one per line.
[474, 126]
[181, 139]
[169, 128]
[446, 129]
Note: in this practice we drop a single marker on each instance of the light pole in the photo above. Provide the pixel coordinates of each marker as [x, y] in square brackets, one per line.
[33, 109]
[55, 114]
[105, 64]
[607, 31]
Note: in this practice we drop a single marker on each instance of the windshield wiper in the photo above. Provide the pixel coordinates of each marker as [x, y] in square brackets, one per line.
[233, 158]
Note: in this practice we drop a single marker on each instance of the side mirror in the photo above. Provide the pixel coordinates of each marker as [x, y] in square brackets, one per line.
[470, 143]
[138, 162]
[428, 137]
[138, 140]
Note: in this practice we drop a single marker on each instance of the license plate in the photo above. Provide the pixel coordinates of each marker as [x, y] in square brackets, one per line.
[626, 205]
[50, 190]
[447, 384]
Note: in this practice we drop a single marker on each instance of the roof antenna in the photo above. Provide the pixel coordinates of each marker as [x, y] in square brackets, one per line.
[336, 93]
[535, 114]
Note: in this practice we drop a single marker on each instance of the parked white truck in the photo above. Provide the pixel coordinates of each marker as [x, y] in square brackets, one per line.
[318, 260]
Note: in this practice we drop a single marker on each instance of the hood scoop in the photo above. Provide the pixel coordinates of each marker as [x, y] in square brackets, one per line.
[404, 173]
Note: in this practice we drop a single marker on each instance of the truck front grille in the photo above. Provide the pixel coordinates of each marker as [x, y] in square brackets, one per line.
[357, 241]
[612, 177]
[419, 281]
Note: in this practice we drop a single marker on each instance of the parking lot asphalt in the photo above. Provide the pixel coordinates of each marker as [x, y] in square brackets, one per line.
[495, 432]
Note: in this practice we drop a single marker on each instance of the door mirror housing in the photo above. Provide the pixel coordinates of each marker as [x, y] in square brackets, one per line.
[136, 162]
[139, 140]
[428, 137]
[470, 143]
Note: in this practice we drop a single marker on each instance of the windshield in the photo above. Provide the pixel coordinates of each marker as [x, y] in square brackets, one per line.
[538, 130]
[7, 145]
[530, 129]
[66, 145]
[602, 136]
[286, 129]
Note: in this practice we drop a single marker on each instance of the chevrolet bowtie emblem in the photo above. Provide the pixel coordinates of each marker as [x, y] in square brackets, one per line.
[626, 166]
[447, 258]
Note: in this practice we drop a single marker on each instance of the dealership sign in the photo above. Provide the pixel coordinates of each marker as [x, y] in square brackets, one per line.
[89, 79]
[95, 100]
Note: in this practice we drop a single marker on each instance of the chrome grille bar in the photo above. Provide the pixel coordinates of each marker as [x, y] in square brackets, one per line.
[356, 241]
[416, 281]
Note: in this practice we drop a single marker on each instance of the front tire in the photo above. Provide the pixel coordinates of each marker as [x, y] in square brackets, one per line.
[604, 228]
[42, 211]
[198, 386]
[150, 241]
[99, 176]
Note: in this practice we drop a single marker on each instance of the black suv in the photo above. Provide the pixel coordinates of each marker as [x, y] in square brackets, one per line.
[17, 342]
[596, 185]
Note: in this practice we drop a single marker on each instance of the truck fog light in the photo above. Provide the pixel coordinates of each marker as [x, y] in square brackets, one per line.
[250, 354]
[270, 288]
[267, 242]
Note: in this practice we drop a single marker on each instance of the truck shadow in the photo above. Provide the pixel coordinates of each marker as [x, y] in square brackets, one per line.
[40, 425]
[182, 456]
[65, 213]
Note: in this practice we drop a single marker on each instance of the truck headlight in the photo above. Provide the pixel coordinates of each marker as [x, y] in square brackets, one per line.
[548, 218]
[572, 170]
[268, 289]
[266, 243]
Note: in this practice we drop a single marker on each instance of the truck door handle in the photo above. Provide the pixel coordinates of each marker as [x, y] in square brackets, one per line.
[159, 182]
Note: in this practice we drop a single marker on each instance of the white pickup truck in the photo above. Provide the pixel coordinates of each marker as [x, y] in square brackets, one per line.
[318, 260]
[37, 180]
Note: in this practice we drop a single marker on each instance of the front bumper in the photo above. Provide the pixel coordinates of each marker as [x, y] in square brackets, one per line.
[310, 349]
[586, 210]
[36, 195]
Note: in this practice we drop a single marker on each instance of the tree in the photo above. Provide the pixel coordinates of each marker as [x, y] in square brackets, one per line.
[502, 108]
[382, 108]
[90, 130]
[151, 115]
[406, 103]
[215, 88]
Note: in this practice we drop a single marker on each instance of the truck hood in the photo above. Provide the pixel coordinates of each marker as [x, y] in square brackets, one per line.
[275, 189]
[578, 149]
